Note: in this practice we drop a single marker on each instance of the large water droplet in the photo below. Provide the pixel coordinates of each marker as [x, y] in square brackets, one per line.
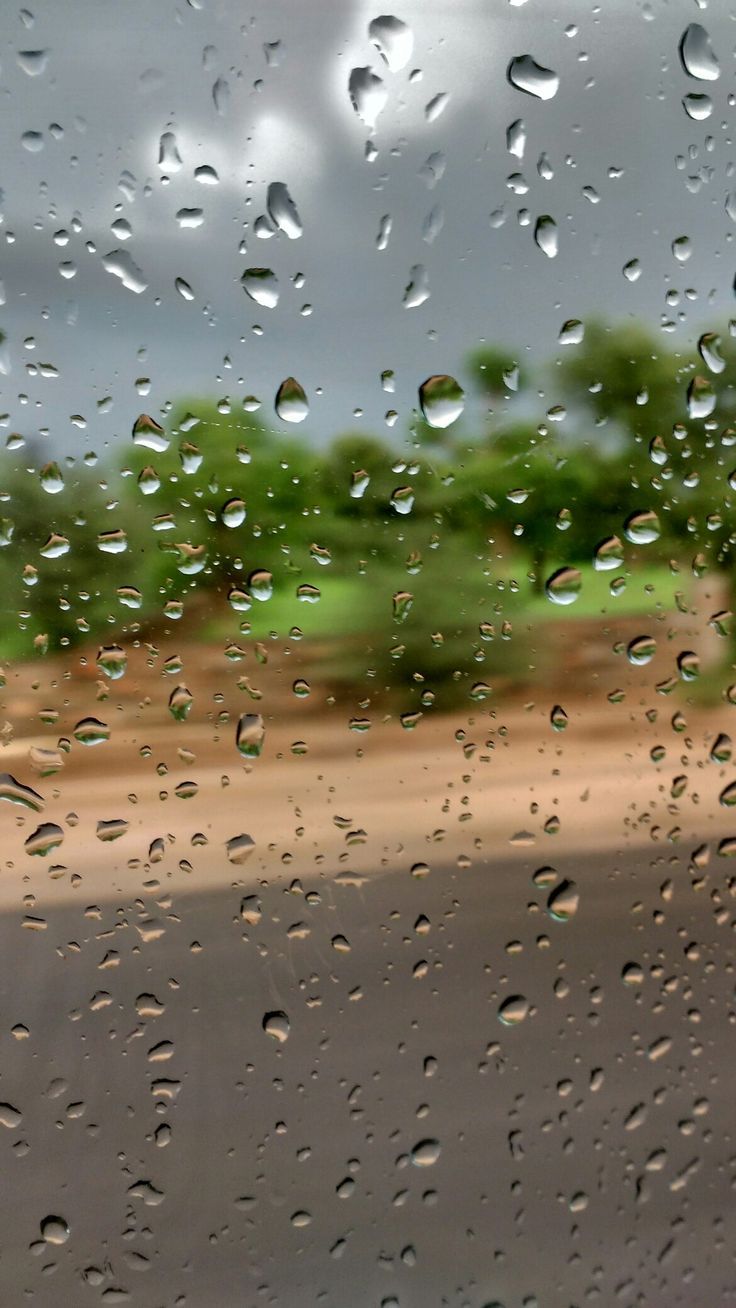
[527, 75]
[112, 660]
[608, 554]
[260, 582]
[545, 235]
[233, 513]
[697, 55]
[261, 285]
[641, 650]
[426, 1153]
[282, 210]
[708, 347]
[277, 1025]
[368, 95]
[90, 731]
[564, 586]
[393, 39]
[16, 793]
[513, 1010]
[701, 398]
[642, 527]
[239, 848]
[51, 478]
[417, 290]
[123, 266]
[250, 735]
[54, 1230]
[442, 400]
[291, 402]
[169, 158]
[147, 432]
[562, 903]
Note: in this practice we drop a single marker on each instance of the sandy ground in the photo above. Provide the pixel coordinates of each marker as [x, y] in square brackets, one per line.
[480, 785]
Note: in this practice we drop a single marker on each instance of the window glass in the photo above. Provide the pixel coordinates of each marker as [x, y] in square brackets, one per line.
[368, 469]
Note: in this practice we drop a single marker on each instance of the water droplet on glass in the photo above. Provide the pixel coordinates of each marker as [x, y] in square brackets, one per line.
[545, 235]
[701, 398]
[442, 400]
[291, 402]
[261, 285]
[260, 582]
[393, 39]
[250, 735]
[44, 839]
[436, 106]
[516, 138]
[55, 546]
[51, 479]
[277, 1025]
[169, 158]
[16, 793]
[697, 55]
[282, 210]
[609, 554]
[527, 75]
[417, 290]
[147, 432]
[33, 62]
[402, 603]
[90, 731]
[642, 527]
[426, 1153]
[708, 348]
[239, 848]
[513, 1010]
[122, 265]
[558, 718]
[112, 660]
[233, 513]
[697, 107]
[571, 332]
[641, 650]
[402, 499]
[564, 586]
[359, 483]
[562, 903]
[54, 1230]
[368, 95]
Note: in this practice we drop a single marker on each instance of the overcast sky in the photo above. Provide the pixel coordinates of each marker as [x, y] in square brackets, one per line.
[114, 77]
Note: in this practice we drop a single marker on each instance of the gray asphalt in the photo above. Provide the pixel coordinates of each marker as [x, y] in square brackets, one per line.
[573, 1168]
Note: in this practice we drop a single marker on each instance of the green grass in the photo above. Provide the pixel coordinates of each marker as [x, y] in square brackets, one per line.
[352, 605]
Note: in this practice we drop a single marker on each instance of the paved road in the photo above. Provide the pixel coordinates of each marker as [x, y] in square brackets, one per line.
[575, 1158]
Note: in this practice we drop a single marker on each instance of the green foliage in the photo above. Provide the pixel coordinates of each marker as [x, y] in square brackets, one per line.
[538, 495]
